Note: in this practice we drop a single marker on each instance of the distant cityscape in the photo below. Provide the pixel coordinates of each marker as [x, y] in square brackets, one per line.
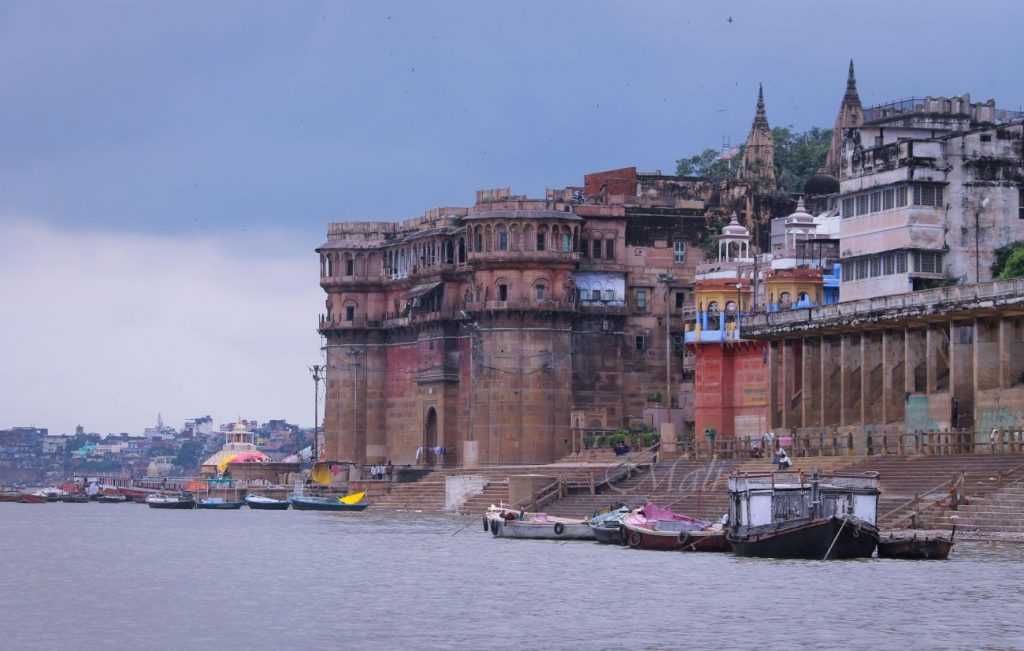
[31, 455]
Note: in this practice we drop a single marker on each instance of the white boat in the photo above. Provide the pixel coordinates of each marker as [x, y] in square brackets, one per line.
[161, 501]
[264, 503]
[504, 522]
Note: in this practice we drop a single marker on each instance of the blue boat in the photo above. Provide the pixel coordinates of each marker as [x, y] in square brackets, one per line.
[218, 503]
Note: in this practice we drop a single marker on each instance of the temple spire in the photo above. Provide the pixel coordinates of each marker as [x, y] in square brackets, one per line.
[851, 116]
[759, 153]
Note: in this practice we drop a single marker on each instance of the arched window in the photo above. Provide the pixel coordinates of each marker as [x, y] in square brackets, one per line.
[462, 250]
[350, 311]
[529, 241]
[566, 239]
[502, 290]
[785, 301]
[540, 290]
[478, 239]
[488, 242]
[713, 315]
[542, 238]
[502, 238]
[515, 241]
[329, 265]
[449, 251]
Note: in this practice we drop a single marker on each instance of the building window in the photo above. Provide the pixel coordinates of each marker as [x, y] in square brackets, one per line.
[680, 299]
[1020, 203]
[541, 288]
[350, 267]
[862, 268]
[927, 195]
[876, 201]
[597, 249]
[502, 241]
[641, 299]
[640, 343]
[847, 272]
[927, 262]
[350, 312]
[876, 266]
[542, 241]
[901, 196]
[503, 292]
[901, 262]
[566, 242]
[862, 204]
[848, 207]
[609, 295]
[887, 199]
[679, 248]
[595, 294]
[888, 264]
[609, 249]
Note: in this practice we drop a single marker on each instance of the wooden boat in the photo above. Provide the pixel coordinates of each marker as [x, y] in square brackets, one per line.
[914, 548]
[606, 525]
[509, 523]
[328, 503]
[264, 503]
[785, 515]
[164, 501]
[111, 499]
[9, 496]
[75, 498]
[32, 498]
[218, 503]
[661, 529]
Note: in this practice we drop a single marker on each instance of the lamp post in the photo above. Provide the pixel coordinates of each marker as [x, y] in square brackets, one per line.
[668, 279]
[317, 370]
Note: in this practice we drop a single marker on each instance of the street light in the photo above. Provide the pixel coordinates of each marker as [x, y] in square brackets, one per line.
[668, 279]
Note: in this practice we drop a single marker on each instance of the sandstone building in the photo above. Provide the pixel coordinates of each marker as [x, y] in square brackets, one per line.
[499, 332]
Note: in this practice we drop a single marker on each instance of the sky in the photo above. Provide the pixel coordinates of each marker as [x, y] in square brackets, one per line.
[167, 169]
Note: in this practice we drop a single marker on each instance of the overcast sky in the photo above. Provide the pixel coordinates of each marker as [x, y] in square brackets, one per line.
[166, 169]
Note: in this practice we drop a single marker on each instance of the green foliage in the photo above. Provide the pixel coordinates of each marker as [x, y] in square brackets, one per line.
[799, 155]
[189, 455]
[78, 440]
[1014, 265]
[654, 397]
[710, 242]
[1001, 255]
[709, 163]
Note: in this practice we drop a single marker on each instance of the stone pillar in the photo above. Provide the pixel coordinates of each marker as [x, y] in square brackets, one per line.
[850, 381]
[831, 385]
[1011, 351]
[871, 379]
[790, 384]
[893, 375]
[810, 403]
[773, 385]
[962, 337]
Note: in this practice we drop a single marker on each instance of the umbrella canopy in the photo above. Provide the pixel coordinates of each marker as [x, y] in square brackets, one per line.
[223, 463]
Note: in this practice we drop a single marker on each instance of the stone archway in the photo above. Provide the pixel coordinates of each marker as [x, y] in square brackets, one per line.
[430, 437]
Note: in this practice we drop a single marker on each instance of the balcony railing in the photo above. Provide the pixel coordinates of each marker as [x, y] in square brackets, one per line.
[932, 300]
[514, 256]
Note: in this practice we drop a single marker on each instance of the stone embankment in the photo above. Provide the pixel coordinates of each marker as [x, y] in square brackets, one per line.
[920, 491]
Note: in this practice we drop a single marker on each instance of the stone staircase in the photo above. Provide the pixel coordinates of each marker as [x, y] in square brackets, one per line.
[1001, 511]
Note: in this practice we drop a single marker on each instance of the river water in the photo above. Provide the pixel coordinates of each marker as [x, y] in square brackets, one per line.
[113, 576]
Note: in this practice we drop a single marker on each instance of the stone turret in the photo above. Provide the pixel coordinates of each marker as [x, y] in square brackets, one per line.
[759, 153]
[851, 115]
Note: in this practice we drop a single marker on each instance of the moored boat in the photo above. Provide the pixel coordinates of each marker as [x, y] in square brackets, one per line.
[111, 498]
[264, 503]
[656, 528]
[786, 515]
[32, 498]
[301, 503]
[75, 498]
[218, 503]
[165, 501]
[915, 548]
[508, 523]
[606, 525]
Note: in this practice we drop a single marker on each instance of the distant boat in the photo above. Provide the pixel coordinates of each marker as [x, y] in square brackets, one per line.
[162, 501]
[32, 498]
[914, 548]
[218, 503]
[354, 502]
[264, 503]
[510, 523]
[75, 498]
[111, 499]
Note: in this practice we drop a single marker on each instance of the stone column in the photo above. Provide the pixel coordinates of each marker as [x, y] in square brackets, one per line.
[810, 403]
[831, 384]
[962, 337]
[773, 384]
[850, 381]
[893, 375]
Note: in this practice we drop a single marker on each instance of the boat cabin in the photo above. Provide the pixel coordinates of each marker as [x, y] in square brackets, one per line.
[772, 498]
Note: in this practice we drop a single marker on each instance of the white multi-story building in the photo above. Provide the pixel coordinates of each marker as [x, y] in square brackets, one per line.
[929, 188]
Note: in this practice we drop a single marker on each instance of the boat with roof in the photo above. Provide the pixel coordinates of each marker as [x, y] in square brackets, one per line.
[790, 515]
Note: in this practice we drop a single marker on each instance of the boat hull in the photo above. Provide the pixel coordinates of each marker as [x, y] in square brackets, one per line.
[219, 506]
[308, 504]
[75, 499]
[29, 498]
[919, 549]
[274, 505]
[178, 504]
[695, 541]
[814, 539]
[541, 530]
[608, 535]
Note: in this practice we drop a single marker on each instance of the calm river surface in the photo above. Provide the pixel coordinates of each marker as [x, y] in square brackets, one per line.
[115, 576]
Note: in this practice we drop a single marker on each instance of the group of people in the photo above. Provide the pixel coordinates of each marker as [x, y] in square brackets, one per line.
[381, 471]
[620, 448]
[780, 458]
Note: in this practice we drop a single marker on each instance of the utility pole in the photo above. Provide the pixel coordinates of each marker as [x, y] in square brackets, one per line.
[317, 370]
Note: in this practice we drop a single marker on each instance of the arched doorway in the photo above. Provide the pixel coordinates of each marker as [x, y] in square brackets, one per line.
[430, 437]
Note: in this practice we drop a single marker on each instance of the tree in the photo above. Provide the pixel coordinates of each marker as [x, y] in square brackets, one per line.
[708, 163]
[1001, 256]
[189, 455]
[799, 155]
[1014, 267]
